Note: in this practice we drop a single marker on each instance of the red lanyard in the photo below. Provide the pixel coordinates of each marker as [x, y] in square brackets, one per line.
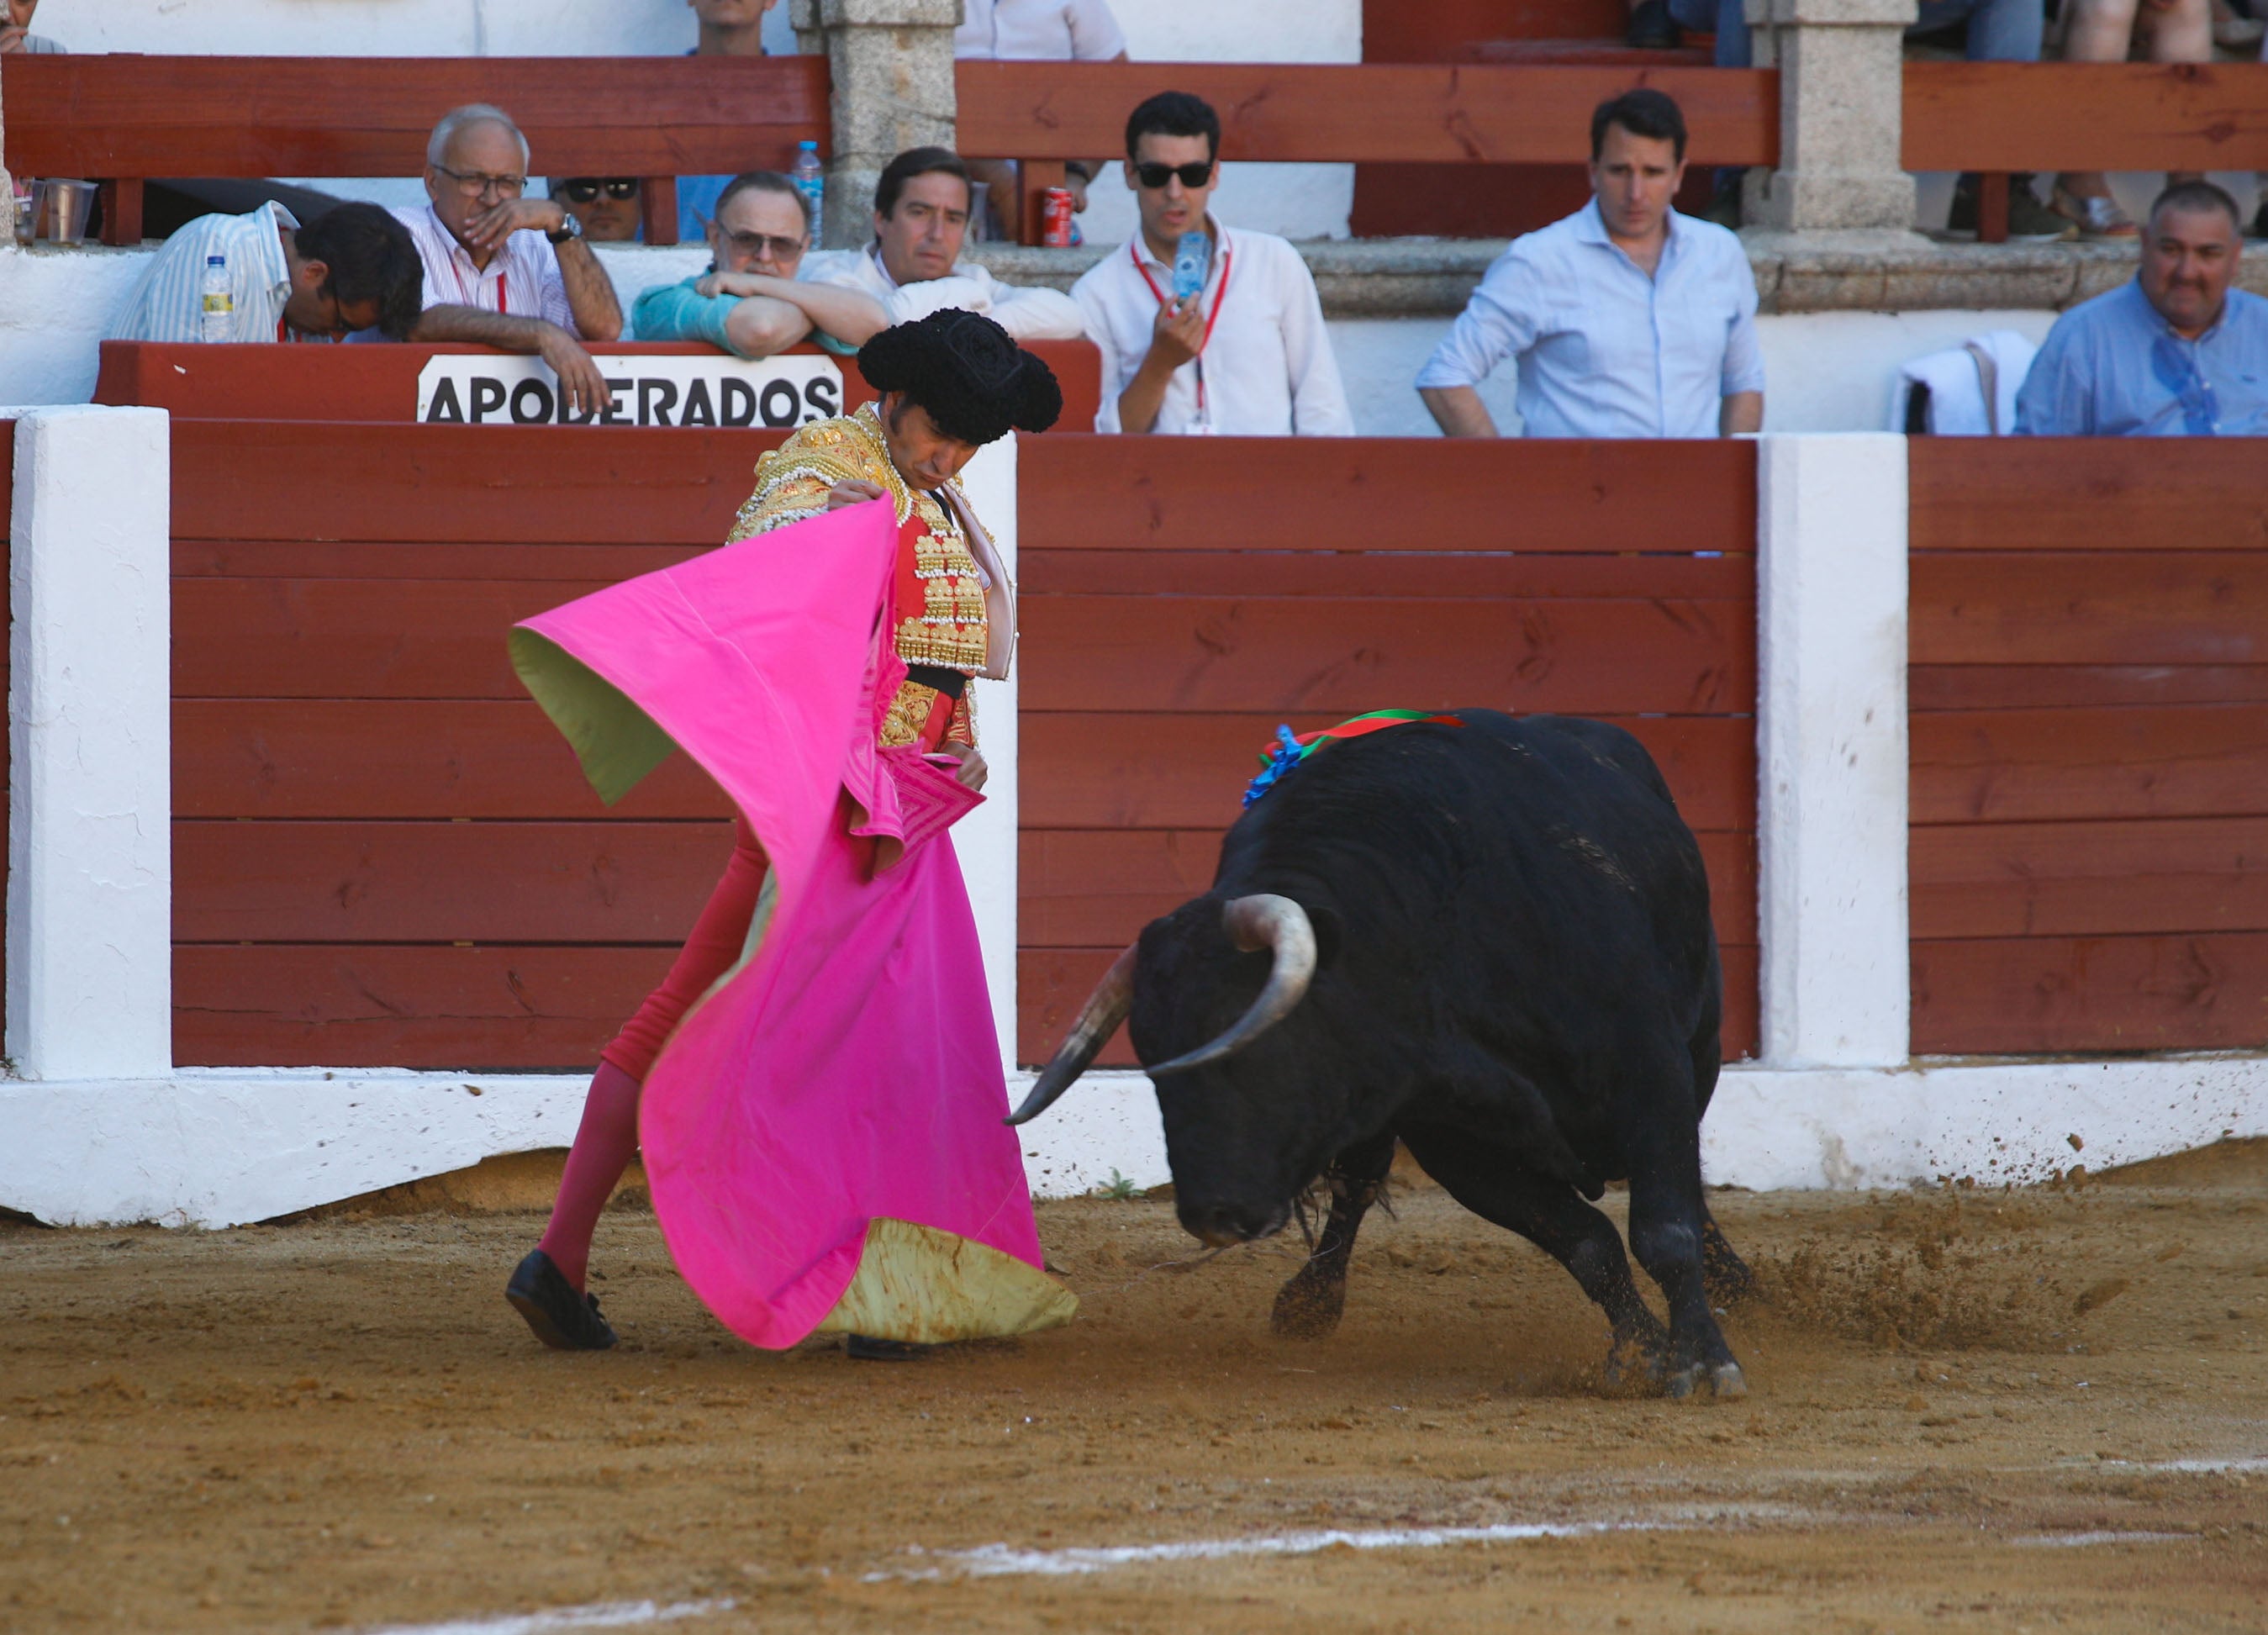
[1227, 264]
[470, 293]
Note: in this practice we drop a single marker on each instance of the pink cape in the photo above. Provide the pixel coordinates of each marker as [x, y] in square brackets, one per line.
[845, 1072]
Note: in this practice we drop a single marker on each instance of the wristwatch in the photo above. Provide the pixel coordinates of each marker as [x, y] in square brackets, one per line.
[571, 228]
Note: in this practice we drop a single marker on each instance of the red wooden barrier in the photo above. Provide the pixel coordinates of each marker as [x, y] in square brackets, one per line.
[123, 117]
[2090, 729]
[1182, 597]
[381, 382]
[383, 853]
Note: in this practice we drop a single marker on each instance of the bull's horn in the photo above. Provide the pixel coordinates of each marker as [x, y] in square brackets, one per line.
[1105, 1008]
[1264, 921]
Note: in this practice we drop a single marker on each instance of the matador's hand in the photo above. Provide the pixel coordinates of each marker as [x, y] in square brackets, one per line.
[852, 492]
[972, 770]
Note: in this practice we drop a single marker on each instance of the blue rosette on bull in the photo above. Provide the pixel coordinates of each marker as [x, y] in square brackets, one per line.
[1485, 937]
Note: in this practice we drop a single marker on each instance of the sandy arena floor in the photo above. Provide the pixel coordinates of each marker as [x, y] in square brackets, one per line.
[1970, 1411]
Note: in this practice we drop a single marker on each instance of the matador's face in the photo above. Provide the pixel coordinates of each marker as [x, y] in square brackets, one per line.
[925, 457]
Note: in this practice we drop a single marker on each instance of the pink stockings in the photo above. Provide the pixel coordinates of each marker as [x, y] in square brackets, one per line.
[607, 1138]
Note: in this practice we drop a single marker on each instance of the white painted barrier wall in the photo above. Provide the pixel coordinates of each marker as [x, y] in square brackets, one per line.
[110, 1131]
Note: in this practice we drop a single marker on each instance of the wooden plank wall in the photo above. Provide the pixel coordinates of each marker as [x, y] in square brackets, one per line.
[383, 854]
[1183, 596]
[2089, 716]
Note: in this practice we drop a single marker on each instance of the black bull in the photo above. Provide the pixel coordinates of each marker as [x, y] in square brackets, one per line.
[1489, 940]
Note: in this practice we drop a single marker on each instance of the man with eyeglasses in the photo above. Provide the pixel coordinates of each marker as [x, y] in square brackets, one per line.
[913, 268]
[1246, 355]
[750, 300]
[2178, 352]
[607, 206]
[352, 268]
[489, 279]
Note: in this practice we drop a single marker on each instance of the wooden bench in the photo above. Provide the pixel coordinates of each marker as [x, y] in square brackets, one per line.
[1046, 112]
[121, 120]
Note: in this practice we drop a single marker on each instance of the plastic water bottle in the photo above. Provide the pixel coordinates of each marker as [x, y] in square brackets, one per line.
[220, 315]
[1192, 260]
[810, 179]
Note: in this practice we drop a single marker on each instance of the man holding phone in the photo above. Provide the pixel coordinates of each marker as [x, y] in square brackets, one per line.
[1203, 330]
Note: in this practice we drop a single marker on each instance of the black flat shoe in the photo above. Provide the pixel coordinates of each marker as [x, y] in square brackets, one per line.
[562, 1319]
[866, 1348]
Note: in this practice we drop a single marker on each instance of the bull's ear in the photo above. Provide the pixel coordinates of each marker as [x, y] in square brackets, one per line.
[1330, 932]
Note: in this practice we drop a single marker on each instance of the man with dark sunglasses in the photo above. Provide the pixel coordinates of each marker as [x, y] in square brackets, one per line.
[751, 300]
[1244, 352]
[607, 206]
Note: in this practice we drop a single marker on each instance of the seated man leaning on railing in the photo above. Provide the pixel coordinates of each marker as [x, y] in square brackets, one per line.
[488, 278]
[913, 267]
[262, 276]
[2178, 352]
[751, 301]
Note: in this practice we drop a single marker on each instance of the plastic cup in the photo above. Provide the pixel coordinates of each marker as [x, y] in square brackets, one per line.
[24, 207]
[980, 220]
[61, 209]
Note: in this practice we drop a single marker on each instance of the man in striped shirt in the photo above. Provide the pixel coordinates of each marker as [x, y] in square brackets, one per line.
[352, 268]
[490, 278]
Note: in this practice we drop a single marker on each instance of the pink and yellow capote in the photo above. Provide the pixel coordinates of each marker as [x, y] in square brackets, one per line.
[821, 1133]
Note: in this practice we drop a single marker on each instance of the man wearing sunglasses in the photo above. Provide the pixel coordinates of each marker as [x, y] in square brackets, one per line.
[489, 279]
[2178, 352]
[1246, 354]
[607, 206]
[913, 268]
[750, 300]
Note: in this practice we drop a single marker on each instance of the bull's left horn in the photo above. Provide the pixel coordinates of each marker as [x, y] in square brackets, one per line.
[1105, 1008]
[1263, 920]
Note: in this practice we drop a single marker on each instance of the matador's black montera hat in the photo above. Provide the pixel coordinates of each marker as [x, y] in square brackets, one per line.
[976, 382]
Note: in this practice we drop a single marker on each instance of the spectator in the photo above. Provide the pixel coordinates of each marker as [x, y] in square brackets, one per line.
[16, 29]
[352, 268]
[2102, 30]
[1035, 31]
[913, 268]
[1994, 31]
[486, 280]
[607, 206]
[1628, 319]
[1248, 355]
[2175, 353]
[727, 28]
[750, 301]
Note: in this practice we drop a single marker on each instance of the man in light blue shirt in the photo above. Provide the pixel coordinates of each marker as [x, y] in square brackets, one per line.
[353, 268]
[1627, 319]
[2175, 353]
[751, 301]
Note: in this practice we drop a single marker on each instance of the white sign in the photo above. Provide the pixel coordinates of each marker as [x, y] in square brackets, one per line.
[671, 390]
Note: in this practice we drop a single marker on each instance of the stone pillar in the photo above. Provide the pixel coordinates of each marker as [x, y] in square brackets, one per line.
[1841, 106]
[891, 64]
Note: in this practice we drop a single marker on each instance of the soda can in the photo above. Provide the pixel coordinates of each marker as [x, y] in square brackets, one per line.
[1055, 217]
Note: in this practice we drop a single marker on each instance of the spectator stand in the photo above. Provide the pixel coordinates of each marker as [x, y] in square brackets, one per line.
[122, 120]
[1400, 114]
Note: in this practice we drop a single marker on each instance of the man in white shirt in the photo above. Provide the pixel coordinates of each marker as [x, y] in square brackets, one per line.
[1628, 319]
[913, 268]
[352, 268]
[1248, 355]
[487, 279]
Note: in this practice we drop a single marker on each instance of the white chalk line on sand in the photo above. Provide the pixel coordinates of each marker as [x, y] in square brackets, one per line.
[1001, 1560]
[609, 1615]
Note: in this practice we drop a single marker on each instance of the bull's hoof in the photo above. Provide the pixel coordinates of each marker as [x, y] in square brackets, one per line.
[1725, 1380]
[1309, 1308]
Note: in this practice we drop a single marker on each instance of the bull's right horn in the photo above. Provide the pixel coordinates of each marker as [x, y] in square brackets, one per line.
[1263, 920]
[1106, 1007]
